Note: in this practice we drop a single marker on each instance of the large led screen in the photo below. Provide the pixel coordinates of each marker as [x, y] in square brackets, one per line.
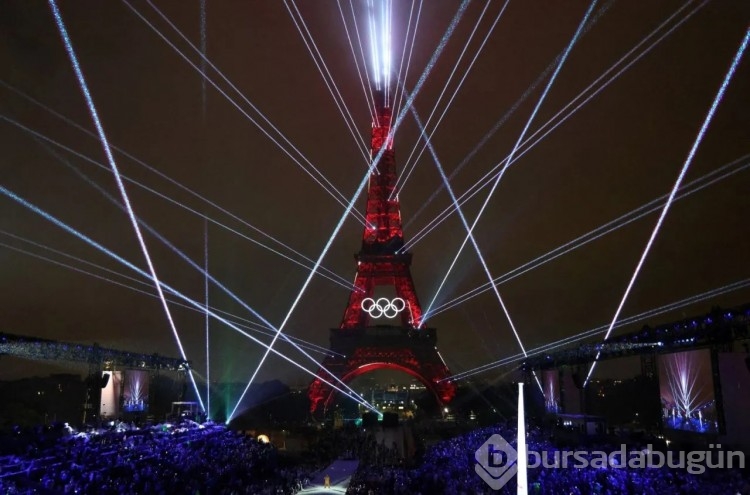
[135, 391]
[551, 385]
[687, 392]
[110, 403]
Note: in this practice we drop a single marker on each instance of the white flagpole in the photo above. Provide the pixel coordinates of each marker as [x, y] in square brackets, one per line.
[521, 447]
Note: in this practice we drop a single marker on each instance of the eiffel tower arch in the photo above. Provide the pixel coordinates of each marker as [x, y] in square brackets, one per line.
[367, 340]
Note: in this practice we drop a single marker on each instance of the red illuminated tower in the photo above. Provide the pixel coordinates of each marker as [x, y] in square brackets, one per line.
[368, 345]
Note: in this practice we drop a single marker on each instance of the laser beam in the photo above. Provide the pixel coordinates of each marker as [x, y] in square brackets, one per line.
[329, 274]
[485, 180]
[198, 305]
[320, 179]
[711, 294]
[399, 99]
[694, 186]
[329, 81]
[468, 158]
[403, 55]
[208, 318]
[404, 177]
[256, 327]
[518, 143]
[691, 154]
[683, 373]
[361, 186]
[205, 273]
[111, 159]
[364, 58]
[204, 46]
[368, 98]
[486, 268]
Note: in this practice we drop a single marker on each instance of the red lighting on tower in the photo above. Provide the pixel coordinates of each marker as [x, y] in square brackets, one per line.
[408, 347]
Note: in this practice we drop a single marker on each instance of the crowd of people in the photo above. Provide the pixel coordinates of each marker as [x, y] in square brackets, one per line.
[448, 467]
[210, 459]
[187, 458]
[370, 447]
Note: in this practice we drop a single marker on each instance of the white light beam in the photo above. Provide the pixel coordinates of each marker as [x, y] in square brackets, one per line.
[518, 143]
[680, 177]
[110, 158]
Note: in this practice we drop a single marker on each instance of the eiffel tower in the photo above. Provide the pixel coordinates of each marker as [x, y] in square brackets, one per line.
[367, 346]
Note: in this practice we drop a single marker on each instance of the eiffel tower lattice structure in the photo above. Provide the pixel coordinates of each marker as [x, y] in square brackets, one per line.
[366, 343]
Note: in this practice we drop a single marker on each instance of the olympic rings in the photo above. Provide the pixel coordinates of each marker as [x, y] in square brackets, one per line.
[383, 307]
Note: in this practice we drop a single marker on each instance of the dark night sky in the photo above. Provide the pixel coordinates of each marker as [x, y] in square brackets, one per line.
[622, 149]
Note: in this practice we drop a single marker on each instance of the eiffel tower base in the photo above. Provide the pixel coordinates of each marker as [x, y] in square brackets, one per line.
[372, 348]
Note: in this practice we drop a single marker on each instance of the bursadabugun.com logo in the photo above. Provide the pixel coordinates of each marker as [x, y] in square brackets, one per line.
[497, 460]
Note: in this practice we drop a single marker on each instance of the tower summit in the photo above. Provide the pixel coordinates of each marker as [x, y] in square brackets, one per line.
[383, 231]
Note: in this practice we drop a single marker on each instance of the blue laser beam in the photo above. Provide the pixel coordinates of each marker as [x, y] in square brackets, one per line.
[711, 294]
[453, 96]
[341, 280]
[364, 59]
[361, 186]
[515, 147]
[369, 99]
[691, 155]
[483, 141]
[198, 305]
[205, 273]
[208, 318]
[399, 99]
[430, 65]
[110, 158]
[325, 272]
[642, 211]
[330, 189]
[374, 45]
[204, 47]
[485, 180]
[329, 81]
[308, 345]
[486, 268]
[404, 177]
[256, 327]
[403, 54]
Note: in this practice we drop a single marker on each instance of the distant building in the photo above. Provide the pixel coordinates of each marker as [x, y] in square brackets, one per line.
[394, 398]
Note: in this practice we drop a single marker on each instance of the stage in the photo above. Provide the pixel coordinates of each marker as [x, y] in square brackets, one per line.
[340, 472]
